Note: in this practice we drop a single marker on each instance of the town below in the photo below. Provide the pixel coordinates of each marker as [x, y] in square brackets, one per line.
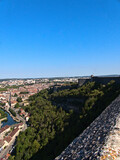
[14, 95]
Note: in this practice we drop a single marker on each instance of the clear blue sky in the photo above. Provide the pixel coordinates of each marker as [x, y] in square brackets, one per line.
[46, 38]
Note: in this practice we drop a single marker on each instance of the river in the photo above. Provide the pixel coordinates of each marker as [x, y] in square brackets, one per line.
[9, 121]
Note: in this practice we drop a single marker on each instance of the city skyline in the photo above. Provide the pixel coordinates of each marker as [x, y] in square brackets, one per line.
[59, 38]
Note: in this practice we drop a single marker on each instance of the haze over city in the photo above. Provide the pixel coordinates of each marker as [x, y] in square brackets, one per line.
[59, 38]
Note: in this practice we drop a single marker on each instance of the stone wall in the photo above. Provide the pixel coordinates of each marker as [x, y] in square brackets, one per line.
[83, 81]
[105, 80]
[90, 144]
[102, 80]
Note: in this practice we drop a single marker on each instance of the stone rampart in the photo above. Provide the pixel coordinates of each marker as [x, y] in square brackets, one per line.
[83, 81]
[90, 144]
[102, 80]
[105, 80]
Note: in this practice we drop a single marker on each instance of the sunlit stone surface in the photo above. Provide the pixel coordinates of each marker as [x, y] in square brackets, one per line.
[111, 149]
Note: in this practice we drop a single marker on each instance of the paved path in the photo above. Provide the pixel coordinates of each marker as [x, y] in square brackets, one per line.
[111, 149]
[7, 149]
[91, 143]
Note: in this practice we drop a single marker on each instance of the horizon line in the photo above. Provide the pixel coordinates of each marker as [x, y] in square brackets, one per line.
[56, 77]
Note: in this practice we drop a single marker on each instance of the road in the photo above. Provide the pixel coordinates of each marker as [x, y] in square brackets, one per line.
[9, 148]
[21, 119]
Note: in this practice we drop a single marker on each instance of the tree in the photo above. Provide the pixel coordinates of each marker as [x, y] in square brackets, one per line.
[12, 158]
[51, 128]
[15, 95]
[2, 104]
[19, 99]
[35, 146]
[17, 105]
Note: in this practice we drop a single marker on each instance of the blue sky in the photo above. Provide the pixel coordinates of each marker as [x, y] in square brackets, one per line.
[47, 38]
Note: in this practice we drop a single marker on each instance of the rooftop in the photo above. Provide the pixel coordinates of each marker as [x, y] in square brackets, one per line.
[4, 128]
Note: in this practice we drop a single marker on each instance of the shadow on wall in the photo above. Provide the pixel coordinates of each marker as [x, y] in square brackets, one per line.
[102, 80]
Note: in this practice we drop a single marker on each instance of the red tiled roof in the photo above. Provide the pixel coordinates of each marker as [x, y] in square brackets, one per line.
[7, 155]
[14, 132]
[8, 139]
[4, 128]
[19, 124]
[13, 101]
[21, 110]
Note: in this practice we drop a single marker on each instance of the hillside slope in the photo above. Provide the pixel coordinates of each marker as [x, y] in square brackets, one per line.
[53, 125]
[101, 140]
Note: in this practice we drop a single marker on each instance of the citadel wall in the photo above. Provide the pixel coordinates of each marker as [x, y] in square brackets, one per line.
[102, 80]
[92, 144]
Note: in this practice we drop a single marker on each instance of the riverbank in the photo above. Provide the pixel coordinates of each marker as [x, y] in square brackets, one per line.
[3, 119]
[9, 119]
[2, 115]
[9, 148]
[14, 118]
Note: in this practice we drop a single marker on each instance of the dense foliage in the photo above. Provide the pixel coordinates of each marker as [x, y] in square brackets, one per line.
[24, 92]
[9, 87]
[19, 99]
[17, 105]
[15, 95]
[3, 89]
[53, 125]
[2, 114]
[2, 104]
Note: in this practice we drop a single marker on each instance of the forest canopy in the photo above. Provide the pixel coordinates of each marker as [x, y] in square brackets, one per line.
[56, 118]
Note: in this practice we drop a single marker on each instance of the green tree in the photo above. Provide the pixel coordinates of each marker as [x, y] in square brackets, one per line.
[15, 95]
[19, 99]
[52, 125]
[17, 105]
[35, 146]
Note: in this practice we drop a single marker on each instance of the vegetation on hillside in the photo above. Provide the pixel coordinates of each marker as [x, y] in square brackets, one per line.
[53, 125]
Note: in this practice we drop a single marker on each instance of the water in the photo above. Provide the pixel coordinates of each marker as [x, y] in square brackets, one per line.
[9, 121]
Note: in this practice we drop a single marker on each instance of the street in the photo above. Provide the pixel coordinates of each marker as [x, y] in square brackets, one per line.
[8, 148]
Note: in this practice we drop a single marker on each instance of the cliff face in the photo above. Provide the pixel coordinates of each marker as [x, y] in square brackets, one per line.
[100, 140]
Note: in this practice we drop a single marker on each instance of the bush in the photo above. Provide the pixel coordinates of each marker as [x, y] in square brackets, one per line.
[2, 104]
[19, 99]
[15, 95]
[17, 105]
